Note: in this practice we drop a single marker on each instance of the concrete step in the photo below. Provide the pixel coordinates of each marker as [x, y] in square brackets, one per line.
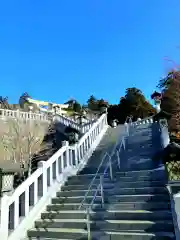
[150, 206]
[140, 197]
[112, 198]
[81, 234]
[115, 190]
[129, 173]
[74, 181]
[151, 173]
[119, 184]
[77, 180]
[109, 214]
[108, 225]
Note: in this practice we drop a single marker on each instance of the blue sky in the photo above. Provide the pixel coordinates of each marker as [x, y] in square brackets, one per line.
[58, 49]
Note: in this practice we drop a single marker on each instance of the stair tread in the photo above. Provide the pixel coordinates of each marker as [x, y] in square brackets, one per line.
[128, 171]
[117, 195]
[114, 203]
[122, 188]
[107, 220]
[83, 231]
[109, 211]
[110, 184]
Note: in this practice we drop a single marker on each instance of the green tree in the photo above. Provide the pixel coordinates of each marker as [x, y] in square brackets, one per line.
[92, 103]
[133, 104]
[77, 107]
[136, 104]
[102, 103]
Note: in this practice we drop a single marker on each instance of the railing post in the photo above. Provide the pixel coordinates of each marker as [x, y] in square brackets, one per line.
[118, 158]
[44, 177]
[2, 113]
[110, 168]
[88, 223]
[1, 181]
[165, 139]
[4, 218]
[75, 155]
[123, 142]
[17, 113]
[102, 190]
[66, 144]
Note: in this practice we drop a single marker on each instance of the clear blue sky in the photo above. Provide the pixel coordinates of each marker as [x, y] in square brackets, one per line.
[59, 49]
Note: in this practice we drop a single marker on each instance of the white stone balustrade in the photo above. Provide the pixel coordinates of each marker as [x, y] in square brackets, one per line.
[144, 121]
[6, 113]
[23, 207]
[69, 122]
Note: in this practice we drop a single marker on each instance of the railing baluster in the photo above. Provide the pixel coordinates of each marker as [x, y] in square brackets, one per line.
[35, 191]
[16, 212]
[4, 220]
[50, 175]
[26, 203]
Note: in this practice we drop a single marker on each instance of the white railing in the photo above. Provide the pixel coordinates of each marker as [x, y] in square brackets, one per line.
[69, 122]
[7, 113]
[19, 210]
[144, 121]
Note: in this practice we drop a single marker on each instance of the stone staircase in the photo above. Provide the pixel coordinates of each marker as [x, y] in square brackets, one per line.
[136, 201]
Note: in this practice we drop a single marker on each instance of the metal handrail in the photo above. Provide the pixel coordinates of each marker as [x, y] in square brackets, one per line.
[100, 185]
[109, 166]
[94, 178]
[89, 188]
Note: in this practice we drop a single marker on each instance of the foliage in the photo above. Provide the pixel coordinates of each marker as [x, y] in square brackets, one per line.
[4, 102]
[96, 104]
[92, 103]
[133, 103]
[24, 104]
[77, 107]
[170, 88]
[74, 106]
[166, 81]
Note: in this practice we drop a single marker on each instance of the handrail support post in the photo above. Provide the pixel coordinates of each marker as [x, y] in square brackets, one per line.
[88, 223]
[118, 158]
[102, 190]
[110, 168]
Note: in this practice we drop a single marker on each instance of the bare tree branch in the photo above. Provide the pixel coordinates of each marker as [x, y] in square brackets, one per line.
[21, 140]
